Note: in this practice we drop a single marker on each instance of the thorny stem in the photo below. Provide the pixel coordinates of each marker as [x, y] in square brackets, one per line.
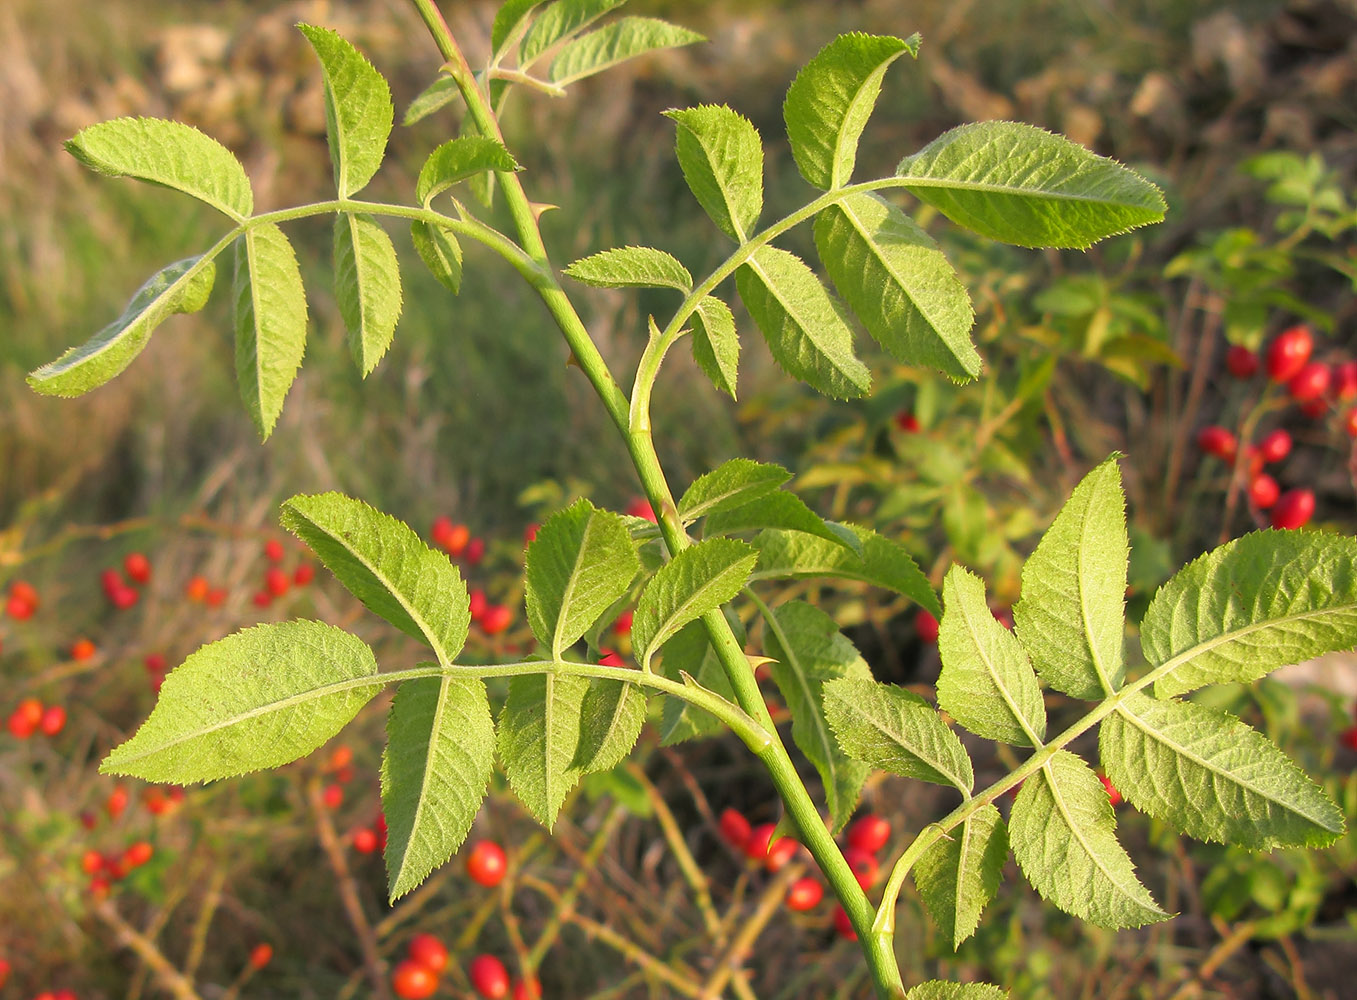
[632, 421]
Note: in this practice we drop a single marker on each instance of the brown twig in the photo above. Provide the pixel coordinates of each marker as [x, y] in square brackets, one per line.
[565, 902]
[769, 904]
[171, 979]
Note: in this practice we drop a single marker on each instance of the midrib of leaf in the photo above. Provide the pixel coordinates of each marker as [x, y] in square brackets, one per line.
[935, 765]
[841, 136]
[874, 248]
[444, 659]
[359, 273]
[698, 510]
[997, 679]
[960, 874]
[1103, 677]
[557, 645]
[548, 738]
[1163, 739]
[801, 323]
[1079, 835]
[821, 730]
[908, 181]
[428, 766]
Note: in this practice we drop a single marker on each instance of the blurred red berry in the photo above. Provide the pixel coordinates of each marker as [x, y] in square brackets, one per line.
[475, 552]
[138, 854]
[805, 894]
[759, 840]
[496, 619]
[155, 663]
[1344, 382]
[1316, 409]
[869, 833]
[261, 955]
[907, 421]
[216, 597]
[1113, 795]
[530, 533]
[440, 530]
[527, 989]
[1350, 422]
[155, 801]
[4, 971]
[116, 801]
[305, 574]
[196, 589]
[486, 863]
[1216, 440]
[640, 507]
[277, 582]
[456, 540]
[1348, 737]
[82, 649]
[91, 862]
[1241, 361]
[428, 951]
[1293, 509]
[622, 626]
[1275, 446]
[332, 796]
[926, 626]
[865, 866]
[124, 597]
[412, 981]
[273, 550]
[340, 757]
[478, 603]
[489, 977]
[1310, 383]
[53, 720]
[1264, 491]
[261, 598]
[734, 828]
[137, 567]
[365, 840]
[1288, 353]
[610, 658]
[843, 925]
[781, 853]
[18, 609]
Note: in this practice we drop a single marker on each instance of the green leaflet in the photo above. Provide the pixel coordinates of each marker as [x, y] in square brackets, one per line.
[959, 874]
[690, 652]
[731, 484]
[561, 20]
[259, 698]
[441, 253]
[785, 511]
[631, 267]
[539, 737]
[810, 650]
[270, 321]
[439, 754]
[936, 989]
[721, 156]
[1063, 834]
[358, 110]
[830, 100]
[170, 154]
[888, 727]
[883, 563]
[615, 43]
[182, 287]
[611, 717]
[459, 159]
[716, 345]
[1257, 603]
[581, 562]
[508, 18]
[893, 275]
[1212, 777]
[806, 330]
[367, 287]
[986, 683]
[1071, 617]
[434, 97]
[697, 580]
[383, 563]
[1020, 184]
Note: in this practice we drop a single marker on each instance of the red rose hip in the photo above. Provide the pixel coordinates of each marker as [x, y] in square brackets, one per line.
[1275, 446]
[1293, 509]
[869, 833]
[487, 863]
[804, 894]
[412, 981]
[489, 977]
[1288, 353]
[1241, 362]
[428, 951]
[734, 828]
[1310, 383]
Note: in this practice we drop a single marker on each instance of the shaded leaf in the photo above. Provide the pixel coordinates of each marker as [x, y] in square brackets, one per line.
[615, 43]
[611, 717]
[697, 580]
[270, 321]
[785, 511]
[538, 737]
[561, 20]
[458, 159]
[437, 246]
[959, 874]
[509, 17]
[690, 652]
[731, 484]
[434, 97]
[716, 346]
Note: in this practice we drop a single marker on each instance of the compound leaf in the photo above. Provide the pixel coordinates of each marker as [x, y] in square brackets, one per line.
[182, 287]
[170, 154]
[959, 874]
[888, 727]
[810, 650]
[561, 20]
[437, 246]
[731, 484]
[259, 698]
[1063, 834]
[1023, 185]
[367, 287]
[806, 329]
[458, 159]
[1071, 617]
[581, 561]
[1210, 776]
[439, 754]
[830, 100]
[897, 280]
[358, 110]
[1264, 600]
[721, 155]
[716, 346]
[270, 321]
[611, 717]
[695, 581]
[986, 683]
[538, 738]
[631, 267]
[383, 563]
[615, 43]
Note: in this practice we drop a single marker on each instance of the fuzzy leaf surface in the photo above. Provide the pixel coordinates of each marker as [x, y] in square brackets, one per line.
[937, 989]
[1208, 775]
[270, 322]
[611, 717]
[367, 287]
[810, 651]
[898, 281]
[434, 97]
[358, 110]
[1071, 617]
[893, 729]
[538, 738]
[958, 875]
[830, 100]
[883, 563]
[170, 154]
[1020, 184]
[440, 751]
[690, 652]
[631, 267]
[616, 43]
[458, 159]
[786, 511]
[721, 155]
[581, 561]
[383, 563]
[1264, 600]
[716, 345]
[731, 484]
[986, 683]
[697, 580]
[561, 20]
[509, 16]
[806, 329]
[1063, 834]
[108, 353]
[441, 253]
[257, 699]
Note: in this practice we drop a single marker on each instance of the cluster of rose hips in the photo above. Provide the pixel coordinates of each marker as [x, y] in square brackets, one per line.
[31, 716]
[158, 802]
[457, 541]
[277, 581]
[22, 601]
[199, 591]
[123, 593]
[105, 869]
